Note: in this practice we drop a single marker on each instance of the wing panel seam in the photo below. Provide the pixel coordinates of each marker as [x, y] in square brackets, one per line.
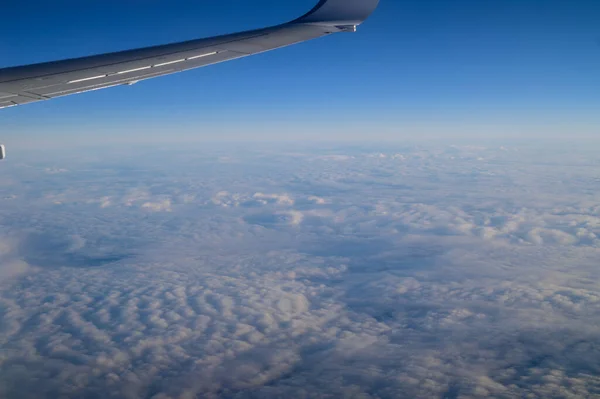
[128, 61]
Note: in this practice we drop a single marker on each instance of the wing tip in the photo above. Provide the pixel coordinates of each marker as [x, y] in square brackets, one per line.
[339, 12]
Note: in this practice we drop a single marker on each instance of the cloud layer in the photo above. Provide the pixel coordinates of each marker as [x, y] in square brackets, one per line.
[417, 272]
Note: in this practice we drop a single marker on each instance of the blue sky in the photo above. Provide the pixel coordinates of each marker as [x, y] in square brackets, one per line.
[415, 68]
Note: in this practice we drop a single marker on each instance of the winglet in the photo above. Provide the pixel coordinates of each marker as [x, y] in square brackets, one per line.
[344, 14]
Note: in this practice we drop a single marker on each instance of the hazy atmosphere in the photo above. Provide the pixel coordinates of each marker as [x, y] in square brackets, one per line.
[301, 271]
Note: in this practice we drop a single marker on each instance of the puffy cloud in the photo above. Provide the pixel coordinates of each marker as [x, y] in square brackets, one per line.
[10, 264]
[279, 199]
[227, 199]
[317, 200]
[162, 206]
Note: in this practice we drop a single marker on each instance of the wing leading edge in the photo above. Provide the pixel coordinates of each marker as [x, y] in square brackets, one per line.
[30, 83]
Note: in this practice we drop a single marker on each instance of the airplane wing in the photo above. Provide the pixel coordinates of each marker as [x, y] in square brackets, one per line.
[26, 84]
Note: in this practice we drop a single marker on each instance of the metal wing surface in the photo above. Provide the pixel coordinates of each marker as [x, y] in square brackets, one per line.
[26, 84]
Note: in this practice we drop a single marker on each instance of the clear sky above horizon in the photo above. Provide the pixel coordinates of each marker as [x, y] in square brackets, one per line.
[427, 67]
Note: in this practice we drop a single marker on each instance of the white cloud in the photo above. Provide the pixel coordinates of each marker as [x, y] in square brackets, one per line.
[11, 265]
[317, 200]
[279, 199]
[162, 206]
